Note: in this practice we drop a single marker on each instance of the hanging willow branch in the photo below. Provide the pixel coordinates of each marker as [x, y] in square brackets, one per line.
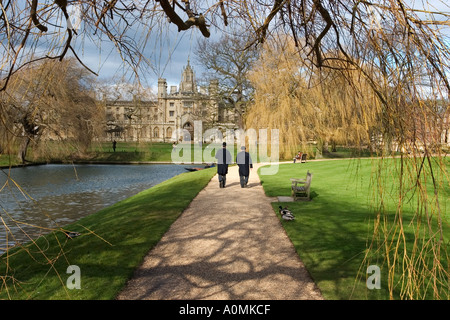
[199, 21]
[34, 17]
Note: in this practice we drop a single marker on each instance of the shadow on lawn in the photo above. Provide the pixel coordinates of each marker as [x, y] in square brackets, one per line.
[331, 239]
[333, 232]
[222, 268]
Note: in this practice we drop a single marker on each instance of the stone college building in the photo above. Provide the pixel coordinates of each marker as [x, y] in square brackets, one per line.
[171, 117]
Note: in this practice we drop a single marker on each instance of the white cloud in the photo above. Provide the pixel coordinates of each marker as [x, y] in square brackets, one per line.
[166, 52]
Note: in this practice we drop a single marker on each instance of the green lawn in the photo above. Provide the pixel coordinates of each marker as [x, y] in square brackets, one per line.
[56, 151]
[332, 231]
[131, 151]
[121, 236]
[146, 152]
[7, 160]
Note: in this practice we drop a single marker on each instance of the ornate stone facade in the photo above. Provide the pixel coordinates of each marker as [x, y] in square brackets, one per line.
[171, 117]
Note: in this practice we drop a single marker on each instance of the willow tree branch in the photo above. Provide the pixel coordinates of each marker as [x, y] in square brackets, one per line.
[262, 31]
[200, 22]
[69, 39]
[81, 62]
[34, 17]
[224, 14]
[110, 7]
[329, 23]
[11, 69]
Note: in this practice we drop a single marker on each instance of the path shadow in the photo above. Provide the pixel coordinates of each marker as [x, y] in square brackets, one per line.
[238, 250]
[221, 263]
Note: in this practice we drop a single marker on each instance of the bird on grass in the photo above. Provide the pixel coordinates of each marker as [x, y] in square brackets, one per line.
[72, 234]
[288, 218]
[286, 214]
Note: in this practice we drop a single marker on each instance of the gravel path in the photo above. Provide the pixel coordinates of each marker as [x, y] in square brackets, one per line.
[228, 244]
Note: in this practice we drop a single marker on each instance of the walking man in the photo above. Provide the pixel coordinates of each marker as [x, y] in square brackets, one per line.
[244, 161]
[223, 157]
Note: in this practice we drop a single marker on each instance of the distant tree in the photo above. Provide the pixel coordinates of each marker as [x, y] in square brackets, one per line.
[51, 99]
[229, 60]
[138, 112]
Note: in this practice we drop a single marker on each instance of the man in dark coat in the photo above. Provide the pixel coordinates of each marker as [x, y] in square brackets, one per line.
[223, 157]
[244, 161]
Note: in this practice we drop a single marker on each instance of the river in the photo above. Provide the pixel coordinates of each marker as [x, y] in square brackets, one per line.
[54, 194]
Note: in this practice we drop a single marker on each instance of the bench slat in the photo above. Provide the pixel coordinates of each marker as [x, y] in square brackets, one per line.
[301, 187]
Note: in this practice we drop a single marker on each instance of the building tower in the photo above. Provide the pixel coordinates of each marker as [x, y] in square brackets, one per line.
[187, 84]
[162, 88]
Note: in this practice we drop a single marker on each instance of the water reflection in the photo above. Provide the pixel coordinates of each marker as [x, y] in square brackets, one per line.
[55, 195]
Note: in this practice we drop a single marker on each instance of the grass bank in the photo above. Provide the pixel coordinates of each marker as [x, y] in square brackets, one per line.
[128, 152]
[145, 151]
[112, 244]
[332, 232]
[152, 152]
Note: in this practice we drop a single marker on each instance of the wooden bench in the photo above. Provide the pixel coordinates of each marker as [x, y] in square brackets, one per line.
[301, 157]
[304, 155]
[300, 188]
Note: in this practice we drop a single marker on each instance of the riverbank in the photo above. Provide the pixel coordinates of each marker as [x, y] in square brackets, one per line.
[19, 165]
[112, 244]
[135, 153]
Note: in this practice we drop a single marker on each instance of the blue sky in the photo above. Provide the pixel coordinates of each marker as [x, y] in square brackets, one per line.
[167, 52]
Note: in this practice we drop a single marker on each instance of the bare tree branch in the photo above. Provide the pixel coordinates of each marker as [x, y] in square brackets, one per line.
[185, 25]
[34, 17]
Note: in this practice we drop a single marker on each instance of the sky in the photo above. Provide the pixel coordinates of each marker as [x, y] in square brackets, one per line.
[167, 52]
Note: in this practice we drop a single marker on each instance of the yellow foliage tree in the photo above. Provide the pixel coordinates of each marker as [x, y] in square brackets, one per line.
[320, 107]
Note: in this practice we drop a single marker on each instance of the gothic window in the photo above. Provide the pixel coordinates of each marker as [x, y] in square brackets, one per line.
[156, 133]
[169, 132]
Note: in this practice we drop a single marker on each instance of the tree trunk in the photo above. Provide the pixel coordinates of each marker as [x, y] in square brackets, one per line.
[325, 146]
[333, 146]
[22, 153]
